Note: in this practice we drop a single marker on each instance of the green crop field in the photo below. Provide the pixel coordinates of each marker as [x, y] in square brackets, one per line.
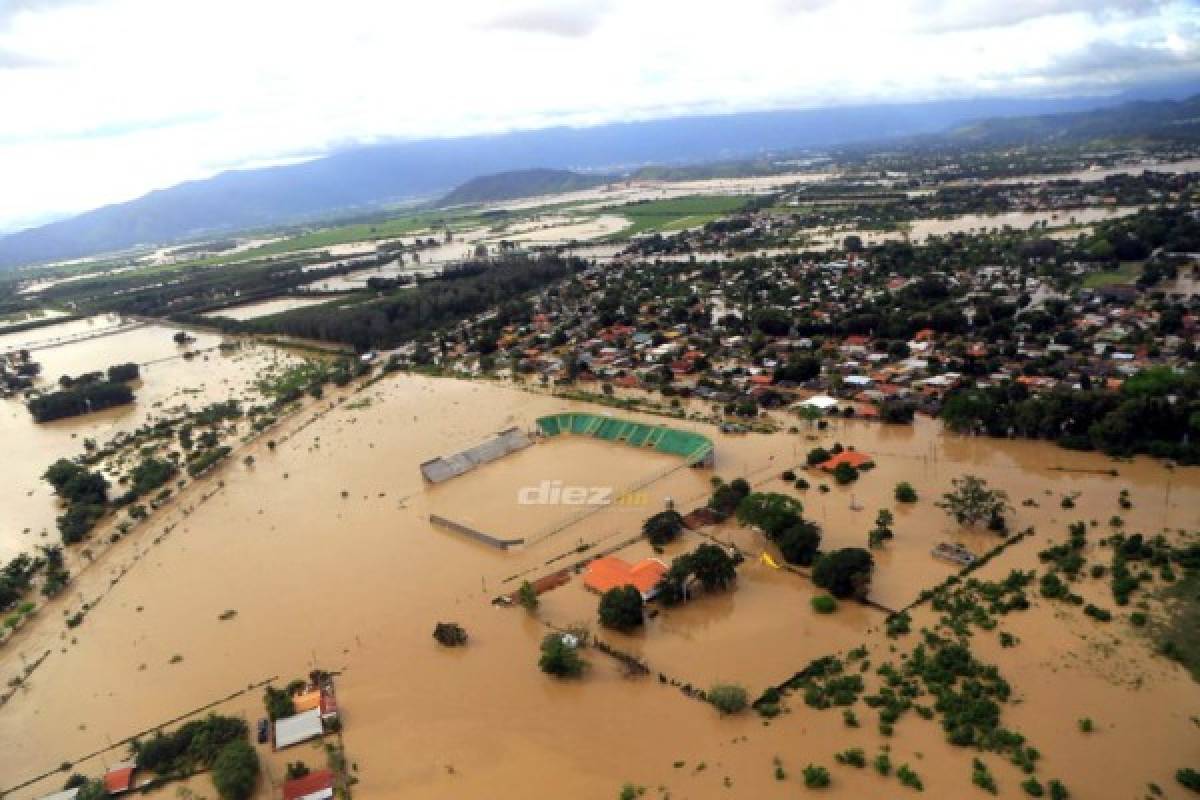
[675, 214]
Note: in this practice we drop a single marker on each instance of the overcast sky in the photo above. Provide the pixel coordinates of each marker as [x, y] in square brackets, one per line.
[103, 100]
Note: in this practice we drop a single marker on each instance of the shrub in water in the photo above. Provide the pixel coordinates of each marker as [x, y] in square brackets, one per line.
[824, 604]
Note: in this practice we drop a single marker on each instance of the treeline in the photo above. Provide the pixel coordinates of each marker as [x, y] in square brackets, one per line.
[1156, 412]
[118, 373]
[80, 399]
[85, 494]
[406, 315]
[202, 288]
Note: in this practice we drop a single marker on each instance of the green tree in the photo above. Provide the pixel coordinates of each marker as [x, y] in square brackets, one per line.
[663, 527]
[845, 473]
[621, 608]
[769, 511]
[905, 493]
[882, 530]
[845, 572]
[712, 566]
[527, 596]
[972, 501]
[729, 698]
[559, 658]
[235, 772]
[800, 542]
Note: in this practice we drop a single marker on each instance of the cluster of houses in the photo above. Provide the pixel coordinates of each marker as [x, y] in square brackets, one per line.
[728, 334]
[315, 710]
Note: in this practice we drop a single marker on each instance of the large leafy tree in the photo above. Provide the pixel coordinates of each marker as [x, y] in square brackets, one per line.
[770, 511]
[799, 542]
[559, 658]
[845, 572]
[712, 566]
[235, 771]
[621, 608]
[972, 501]
[663, 527]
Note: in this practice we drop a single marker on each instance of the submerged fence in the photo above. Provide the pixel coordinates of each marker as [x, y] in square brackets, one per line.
[477, 535]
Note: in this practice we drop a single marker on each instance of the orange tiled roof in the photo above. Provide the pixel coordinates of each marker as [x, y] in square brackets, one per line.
[307, 701]
[852, 457]
[611, 572]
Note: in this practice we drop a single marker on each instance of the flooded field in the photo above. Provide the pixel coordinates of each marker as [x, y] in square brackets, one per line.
[562, 229]
[1100, 173]
[266, 308]
[324, 549]
[637, 190]
[171, 381]
[1057, 224]
[21, 318]
[62, 333]
[1020, 220]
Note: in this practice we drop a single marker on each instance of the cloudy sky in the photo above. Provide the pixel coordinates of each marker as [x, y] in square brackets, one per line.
[103, 100]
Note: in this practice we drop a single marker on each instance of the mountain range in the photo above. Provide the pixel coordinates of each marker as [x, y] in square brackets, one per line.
[376, 176]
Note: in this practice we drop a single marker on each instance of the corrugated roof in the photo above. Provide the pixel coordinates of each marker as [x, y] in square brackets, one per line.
[65, 794]
[299, 728]
[313, 786]
[118, 779]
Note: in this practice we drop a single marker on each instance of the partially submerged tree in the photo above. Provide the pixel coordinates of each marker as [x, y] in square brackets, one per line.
[663, 527]
[450, 634]
[800, 542]
[726, 497]
[527, 596]
[621, 608]
[845, 572]
[235, 772]
[729, 698]
[972, 501]
[711, 565]
[882, 530]
[769, 511]
[560, 657]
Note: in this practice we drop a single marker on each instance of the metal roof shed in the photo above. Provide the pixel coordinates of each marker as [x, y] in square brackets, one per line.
[65, 794]
[299, 728]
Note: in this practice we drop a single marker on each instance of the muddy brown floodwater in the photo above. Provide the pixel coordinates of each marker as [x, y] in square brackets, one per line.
[174, 378]
[356, 582]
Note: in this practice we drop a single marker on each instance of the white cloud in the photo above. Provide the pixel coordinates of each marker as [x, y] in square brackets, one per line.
[102, 100]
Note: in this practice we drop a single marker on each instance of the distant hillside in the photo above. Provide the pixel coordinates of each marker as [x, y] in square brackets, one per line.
[1166, 120]
[372, 177]
[520, 183]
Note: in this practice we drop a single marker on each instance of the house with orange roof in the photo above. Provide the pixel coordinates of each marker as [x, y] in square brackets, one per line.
[313, 786]
[610, 572]
[119, 778]
[854, 458]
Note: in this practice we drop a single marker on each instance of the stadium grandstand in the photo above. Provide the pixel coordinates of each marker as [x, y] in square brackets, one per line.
[443, 468]
[695, 448]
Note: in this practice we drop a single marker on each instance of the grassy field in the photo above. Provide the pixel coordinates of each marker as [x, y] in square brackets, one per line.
[675, 214]
[1181, 625]
[1127, 273]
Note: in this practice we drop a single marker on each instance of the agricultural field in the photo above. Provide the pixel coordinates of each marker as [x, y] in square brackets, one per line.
[676, 214]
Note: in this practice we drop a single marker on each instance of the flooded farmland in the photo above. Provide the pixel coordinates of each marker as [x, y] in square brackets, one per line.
[266, 308]
[173, 378]
[324, 549]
